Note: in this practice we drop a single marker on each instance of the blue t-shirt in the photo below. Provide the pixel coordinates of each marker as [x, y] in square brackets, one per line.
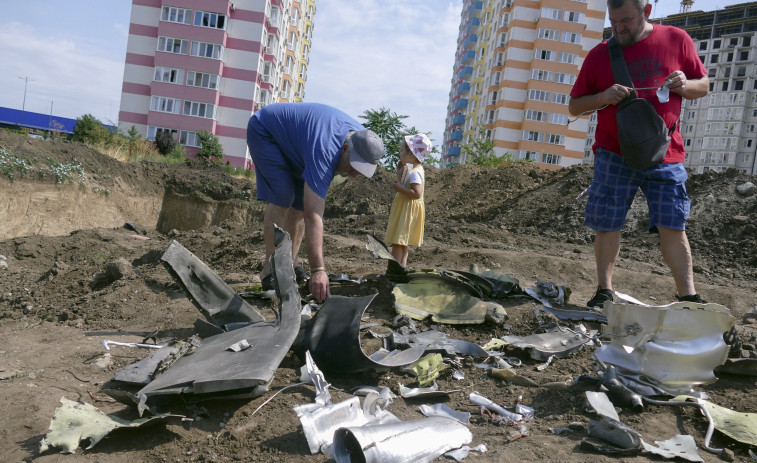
[311, 136]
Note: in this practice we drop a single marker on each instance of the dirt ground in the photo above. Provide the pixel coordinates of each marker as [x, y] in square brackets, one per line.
[62, 217]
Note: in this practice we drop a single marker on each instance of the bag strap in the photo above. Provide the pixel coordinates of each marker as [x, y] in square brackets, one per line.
[619, 67]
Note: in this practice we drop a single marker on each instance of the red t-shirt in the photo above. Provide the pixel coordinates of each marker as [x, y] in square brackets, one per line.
[649, 62]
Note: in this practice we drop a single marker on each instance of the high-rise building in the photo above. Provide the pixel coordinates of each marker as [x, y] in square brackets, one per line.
[719, 130]
[207, 65]
[515, 64]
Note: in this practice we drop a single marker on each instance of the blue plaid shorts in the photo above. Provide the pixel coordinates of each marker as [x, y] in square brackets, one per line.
[615, 185]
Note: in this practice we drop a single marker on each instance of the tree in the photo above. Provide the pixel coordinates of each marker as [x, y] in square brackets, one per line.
[389, 127]
[210, 147]
[133, 139]
[480, 152]
[164, 141]
[89, 129]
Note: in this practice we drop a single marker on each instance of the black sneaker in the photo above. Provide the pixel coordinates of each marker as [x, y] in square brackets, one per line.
[267, 282]
[691, 298]
[301, 275]
[600, 297]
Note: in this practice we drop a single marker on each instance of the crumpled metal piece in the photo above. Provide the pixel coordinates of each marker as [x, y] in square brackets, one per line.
[615, 432]
[549, 293]
[560, 343]
[428, 368]
[681, 446]
[417, 441]
[568, 314]
[436, 341]
[736, 425]
[446, 412]
[478, 399]
[444, 302]
[74, 422]
[310, 373]
[602, 405]
[333, 338]
[672, 347]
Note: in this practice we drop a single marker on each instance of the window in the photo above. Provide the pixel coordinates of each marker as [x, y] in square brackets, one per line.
[547, 55]
[532, 135]
[555, 139]
[564, 78]
[553, 159]
[493, 97]
[176, 15]
[565, 57]
[724, 87]
[743, 55]
[172, 45]
[165, 105]
[194, 108]
[152, 131]
[212, 20]
[540, 74]
[729, 58]
[202, 79]
[188, 138]
[738, 85]
[491, 116]
[560, 98]
[574, 16]
[711, 72]
[548, 34]
[169, 75]
[559, 119]
[530, 155]
[206, 50]
[746, 41]
[551, 13]
[539, 95]
[716, 44]
[713, 59]
[703, 45]
[533, 115]
[741, 71]
[500, 61]
[570, 37]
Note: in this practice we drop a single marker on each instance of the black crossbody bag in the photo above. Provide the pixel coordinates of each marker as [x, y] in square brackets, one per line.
[642, 133]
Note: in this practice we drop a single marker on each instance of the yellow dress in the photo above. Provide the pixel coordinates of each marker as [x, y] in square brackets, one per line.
[407, 216]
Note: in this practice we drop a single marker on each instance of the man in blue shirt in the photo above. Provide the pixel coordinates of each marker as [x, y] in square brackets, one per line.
[297, 149]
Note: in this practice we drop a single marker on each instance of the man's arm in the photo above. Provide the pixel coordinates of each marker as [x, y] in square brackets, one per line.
[612, 95]
[313, 215]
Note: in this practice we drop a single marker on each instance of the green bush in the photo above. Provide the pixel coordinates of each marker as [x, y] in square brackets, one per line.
[210, 147]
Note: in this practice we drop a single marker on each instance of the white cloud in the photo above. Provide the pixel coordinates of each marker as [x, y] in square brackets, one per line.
[389, 53]
[79, 79]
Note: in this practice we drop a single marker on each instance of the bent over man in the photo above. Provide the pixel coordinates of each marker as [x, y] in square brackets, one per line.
[656, 56]
[297, 149]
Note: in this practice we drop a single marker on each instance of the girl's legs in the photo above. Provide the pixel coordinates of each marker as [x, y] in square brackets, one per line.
[399, 252]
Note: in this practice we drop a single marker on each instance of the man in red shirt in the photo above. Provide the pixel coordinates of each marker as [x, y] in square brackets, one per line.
[657, 56]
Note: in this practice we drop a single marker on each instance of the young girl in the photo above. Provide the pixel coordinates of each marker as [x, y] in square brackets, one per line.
[408, 212]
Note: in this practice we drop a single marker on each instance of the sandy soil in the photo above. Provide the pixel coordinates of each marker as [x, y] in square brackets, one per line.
[61, 225]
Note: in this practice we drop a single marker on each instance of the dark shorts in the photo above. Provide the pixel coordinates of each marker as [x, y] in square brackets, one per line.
[275, 181]
[615, 185]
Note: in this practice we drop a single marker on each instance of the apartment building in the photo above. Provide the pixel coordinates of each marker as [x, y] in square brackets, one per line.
[515, 64]
[719, 130]
[195, 65]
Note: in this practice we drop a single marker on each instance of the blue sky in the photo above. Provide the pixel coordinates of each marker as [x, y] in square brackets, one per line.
[365, 54]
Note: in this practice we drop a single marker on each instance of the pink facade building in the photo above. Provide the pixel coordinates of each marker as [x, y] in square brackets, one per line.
[207, 65]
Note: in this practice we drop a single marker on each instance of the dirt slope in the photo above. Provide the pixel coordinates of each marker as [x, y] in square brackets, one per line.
[59, 231]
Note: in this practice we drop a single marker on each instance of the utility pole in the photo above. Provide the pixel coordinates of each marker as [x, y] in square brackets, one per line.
[23, 105]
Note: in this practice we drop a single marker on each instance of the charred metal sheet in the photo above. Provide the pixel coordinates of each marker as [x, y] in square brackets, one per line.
[549, 294]
[436, 341]
[745, 367]
[672, 347]
[615, 432]
[333, 338]
[416, 441]
[561, 344]
[213, 369]
[216, 300]
[141, 372]
[568, 314]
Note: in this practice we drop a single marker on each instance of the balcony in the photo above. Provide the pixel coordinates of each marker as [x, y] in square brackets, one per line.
[472, 25]
[453, 151]
[466, 73]
[461, 103]
[475, 9]
[458, 119]
[470, 42]
[468, 57]
[456, 135]
[463, 89]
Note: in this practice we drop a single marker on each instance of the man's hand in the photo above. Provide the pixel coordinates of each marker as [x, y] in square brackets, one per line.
[615, 94]
[676, 82]
[319, 286]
